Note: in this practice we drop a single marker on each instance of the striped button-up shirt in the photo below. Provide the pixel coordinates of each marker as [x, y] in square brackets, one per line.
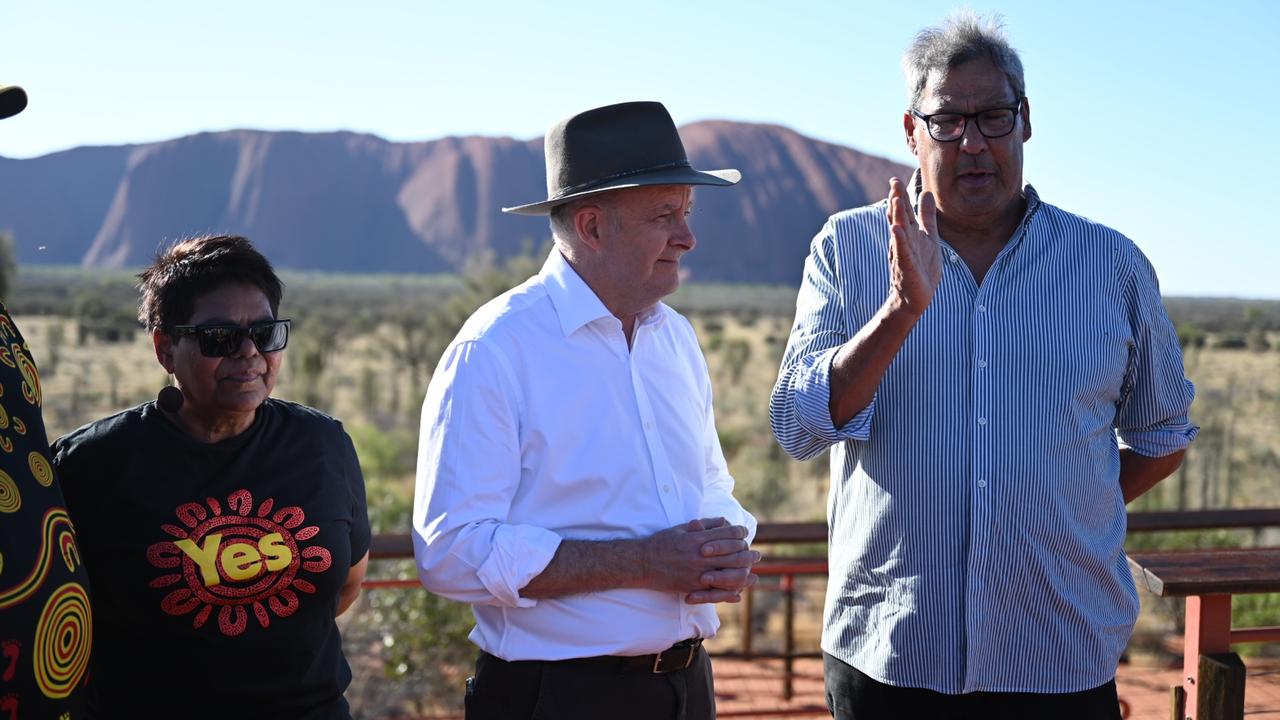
[976, 518]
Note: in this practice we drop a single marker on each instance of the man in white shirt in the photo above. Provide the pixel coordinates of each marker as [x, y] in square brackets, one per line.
[571, 485]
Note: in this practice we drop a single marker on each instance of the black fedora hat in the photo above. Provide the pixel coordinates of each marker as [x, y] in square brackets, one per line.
[13, 100]
[614, 147]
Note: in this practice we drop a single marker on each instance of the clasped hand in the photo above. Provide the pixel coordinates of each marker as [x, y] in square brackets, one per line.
[707, 559]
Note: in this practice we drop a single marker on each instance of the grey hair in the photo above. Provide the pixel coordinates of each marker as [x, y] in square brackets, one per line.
[962, 37]
[562, 230]
[562, 223]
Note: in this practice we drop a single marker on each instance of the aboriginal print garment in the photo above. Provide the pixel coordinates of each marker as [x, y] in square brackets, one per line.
[45, 621]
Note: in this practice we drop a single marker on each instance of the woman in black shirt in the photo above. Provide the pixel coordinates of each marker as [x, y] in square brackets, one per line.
[223, 530]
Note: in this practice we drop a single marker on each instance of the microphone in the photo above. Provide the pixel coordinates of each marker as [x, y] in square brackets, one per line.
[169, 399]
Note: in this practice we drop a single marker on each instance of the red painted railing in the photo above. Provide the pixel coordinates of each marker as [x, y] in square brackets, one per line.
[787, 569]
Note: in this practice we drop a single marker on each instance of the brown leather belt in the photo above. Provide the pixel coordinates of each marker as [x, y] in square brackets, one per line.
[673, 659]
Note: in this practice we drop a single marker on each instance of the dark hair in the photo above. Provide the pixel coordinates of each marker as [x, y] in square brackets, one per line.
[193, 267]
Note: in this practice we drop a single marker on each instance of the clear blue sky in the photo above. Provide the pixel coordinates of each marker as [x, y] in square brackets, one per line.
[1148, 116]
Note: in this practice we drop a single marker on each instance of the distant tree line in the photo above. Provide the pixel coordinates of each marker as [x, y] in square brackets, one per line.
[1225, 315]
[339, 298]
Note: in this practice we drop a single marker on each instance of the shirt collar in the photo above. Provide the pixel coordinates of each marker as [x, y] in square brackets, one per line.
[576, 304]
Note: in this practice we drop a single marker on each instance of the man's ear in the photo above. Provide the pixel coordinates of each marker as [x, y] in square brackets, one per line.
[588, 222]
[909, 126]
[1026, 119]
[164, 349]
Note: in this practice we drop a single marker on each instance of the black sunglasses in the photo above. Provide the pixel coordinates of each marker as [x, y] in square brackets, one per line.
[225, 340]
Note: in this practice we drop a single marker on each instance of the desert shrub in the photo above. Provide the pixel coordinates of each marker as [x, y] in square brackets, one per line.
[1190, 336]
[1231, 341]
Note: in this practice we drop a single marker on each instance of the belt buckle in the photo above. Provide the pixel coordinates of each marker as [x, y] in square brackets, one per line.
[667, 660]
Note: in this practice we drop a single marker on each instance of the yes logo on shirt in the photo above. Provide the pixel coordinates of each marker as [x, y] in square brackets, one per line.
[240, 560]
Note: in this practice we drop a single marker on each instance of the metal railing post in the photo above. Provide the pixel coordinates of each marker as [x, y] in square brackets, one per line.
[789, 639]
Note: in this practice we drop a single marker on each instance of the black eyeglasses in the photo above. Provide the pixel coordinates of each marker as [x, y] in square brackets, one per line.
[225, 340]
[992, 122]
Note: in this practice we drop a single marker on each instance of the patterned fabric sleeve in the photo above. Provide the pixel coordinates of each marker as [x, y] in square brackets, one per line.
[1151, 416]
[799, 406]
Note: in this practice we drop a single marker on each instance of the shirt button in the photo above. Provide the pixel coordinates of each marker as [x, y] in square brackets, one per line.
[954, 257]
[648, 425]
[982, 308]
[982, 363]
[666, 488]
[982, 483]
[982, 421]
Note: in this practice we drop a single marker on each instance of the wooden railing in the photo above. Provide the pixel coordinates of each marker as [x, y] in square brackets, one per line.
[391, 546]
[787, 569]
[1213, 677]
[1256, 518]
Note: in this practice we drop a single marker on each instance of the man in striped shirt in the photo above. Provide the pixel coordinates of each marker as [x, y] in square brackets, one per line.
[970, 353]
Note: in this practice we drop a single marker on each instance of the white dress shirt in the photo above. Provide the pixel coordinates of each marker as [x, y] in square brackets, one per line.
[540, 425]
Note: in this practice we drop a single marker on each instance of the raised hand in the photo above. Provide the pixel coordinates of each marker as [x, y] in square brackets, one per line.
[915, 262]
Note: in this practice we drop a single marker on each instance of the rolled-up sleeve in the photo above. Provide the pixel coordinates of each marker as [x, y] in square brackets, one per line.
[800, 405]
[1151, 416]
[468, 472]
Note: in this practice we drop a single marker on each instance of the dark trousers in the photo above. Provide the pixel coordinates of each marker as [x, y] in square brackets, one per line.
[853, 695]
[588, 690]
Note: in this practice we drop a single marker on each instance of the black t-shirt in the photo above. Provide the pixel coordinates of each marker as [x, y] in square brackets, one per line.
[216, 567]
[45, 620]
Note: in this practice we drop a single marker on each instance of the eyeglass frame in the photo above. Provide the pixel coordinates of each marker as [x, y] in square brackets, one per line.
[177, 332]
[965, 117]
